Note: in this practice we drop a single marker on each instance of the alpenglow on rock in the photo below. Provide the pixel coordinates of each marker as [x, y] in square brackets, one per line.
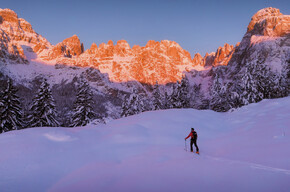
[269, 22]
[219, 80]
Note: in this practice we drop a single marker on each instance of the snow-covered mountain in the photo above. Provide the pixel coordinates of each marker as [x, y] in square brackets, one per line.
[233, 76]
[243, 150]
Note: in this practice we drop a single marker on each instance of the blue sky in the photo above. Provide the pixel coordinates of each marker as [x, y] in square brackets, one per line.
[197, 25]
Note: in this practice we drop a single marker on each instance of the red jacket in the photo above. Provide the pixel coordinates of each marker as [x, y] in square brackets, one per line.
[191, 135]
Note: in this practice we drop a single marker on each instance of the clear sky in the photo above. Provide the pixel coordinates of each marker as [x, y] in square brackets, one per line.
[197, 25]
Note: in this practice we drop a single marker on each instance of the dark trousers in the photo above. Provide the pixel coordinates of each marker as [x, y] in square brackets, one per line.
[193, 141]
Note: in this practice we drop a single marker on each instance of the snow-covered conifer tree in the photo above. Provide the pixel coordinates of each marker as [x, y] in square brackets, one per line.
[215, 92]
[83, 106]
[220, 97]
[284, 81]
[10, 109]
[174, 98]
[234, 91]
[42, 111]
[157, 98]
[263, 77]
[194, 96]
[132, 105]
[184, 92]
[125, 107]
[166, 101]
[278, 85]
[249, 87]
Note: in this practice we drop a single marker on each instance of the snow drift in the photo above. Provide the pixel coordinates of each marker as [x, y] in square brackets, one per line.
[243, 150]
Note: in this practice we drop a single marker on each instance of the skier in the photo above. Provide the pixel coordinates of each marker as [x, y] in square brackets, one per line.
[193, 139]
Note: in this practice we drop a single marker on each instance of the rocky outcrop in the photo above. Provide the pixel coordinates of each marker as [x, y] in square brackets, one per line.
[163, 61]
[19, 29]
[9, 51]
[69, 47]
[267, 41]
[269, 22]
[157, 61]
[223, 55]
[197, 60]
[14, 32]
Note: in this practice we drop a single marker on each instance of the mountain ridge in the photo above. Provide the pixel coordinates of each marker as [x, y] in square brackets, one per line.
[256, 68]
[167, 58]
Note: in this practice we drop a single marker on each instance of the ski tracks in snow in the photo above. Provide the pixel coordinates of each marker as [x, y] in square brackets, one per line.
[252, 165]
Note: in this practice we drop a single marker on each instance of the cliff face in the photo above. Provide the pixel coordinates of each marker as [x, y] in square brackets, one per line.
[163, 61]
[267, 38]
[14, 30]
[19, 29]
[157, 61]
[221, 57]
[67, 48]
[269, 22]
[267, 41]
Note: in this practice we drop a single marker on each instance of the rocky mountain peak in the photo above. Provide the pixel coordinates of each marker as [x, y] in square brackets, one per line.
[9, 15]
[223, 55]
[269, 22]
[69, 47]
[197, 59]
[93, 49]
[73, 44]
[151, 43]
[19, 29]
[16, 32]
[110, 43]
[123, 44]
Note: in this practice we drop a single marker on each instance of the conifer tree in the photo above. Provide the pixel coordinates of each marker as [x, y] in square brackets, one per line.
[194, 97]
[215, 92]
[132, 105]
[125, 107]
[234, 92]
[141, 103]
[224, 103]
[42, 111]
[249, 87]
[83, 106]
[157, 98]
[219, 94]
[284, 81]
[10, 109]
[174, 98]
[166, 101]
[184, 92]
[278, 85]
[264, 80]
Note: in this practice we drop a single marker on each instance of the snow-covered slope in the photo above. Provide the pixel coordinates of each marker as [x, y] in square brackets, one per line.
[243, 150]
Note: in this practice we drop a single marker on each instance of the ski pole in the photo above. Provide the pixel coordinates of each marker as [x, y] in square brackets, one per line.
[185, 147]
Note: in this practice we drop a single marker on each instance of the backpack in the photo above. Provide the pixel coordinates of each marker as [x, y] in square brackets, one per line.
[194, 135]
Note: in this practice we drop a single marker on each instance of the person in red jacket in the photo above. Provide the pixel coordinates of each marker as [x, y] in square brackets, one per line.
[193, 138]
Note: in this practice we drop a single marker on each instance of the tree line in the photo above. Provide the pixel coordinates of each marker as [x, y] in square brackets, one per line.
[224, 91]
[42, 112]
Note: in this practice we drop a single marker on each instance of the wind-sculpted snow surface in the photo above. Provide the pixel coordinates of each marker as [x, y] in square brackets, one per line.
[243, 150]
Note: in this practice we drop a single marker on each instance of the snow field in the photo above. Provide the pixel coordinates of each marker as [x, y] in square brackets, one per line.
[243, 150]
